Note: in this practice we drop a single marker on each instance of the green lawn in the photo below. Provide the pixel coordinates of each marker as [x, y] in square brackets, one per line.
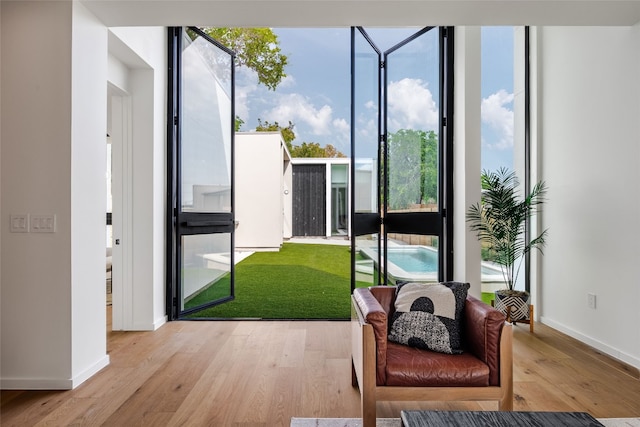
[301, 281]
[487, 297]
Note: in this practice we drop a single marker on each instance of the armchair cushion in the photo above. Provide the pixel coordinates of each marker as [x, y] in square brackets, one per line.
[428, 316]
[413, 367]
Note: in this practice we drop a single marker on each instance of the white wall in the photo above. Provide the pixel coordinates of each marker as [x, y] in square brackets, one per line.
[589, 109]
[259, 190]
[53, 133]
[88, 190]
[53, 160]
[466, 134]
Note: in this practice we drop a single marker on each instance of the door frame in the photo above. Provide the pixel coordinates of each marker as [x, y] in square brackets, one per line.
[409, 222]
[181, 223]
[122, 207]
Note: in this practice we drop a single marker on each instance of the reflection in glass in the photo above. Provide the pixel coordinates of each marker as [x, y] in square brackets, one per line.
[367, 269]
[206, 264]
[366, 128]
[410, 257]
[412, 96]
[206, 129]
[339, 210]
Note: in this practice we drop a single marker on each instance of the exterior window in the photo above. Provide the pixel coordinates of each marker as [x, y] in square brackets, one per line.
[502, 116]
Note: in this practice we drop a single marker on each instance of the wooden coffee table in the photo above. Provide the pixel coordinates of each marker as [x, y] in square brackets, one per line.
[496, 419]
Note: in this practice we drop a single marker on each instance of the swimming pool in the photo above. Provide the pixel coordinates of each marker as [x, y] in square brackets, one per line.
[420, 263]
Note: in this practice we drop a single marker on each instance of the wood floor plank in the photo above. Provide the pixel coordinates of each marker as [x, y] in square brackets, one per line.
[262, 373]
[28, 408]
[293, 352]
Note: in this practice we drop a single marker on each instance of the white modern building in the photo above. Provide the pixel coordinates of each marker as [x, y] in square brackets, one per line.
[263, 186]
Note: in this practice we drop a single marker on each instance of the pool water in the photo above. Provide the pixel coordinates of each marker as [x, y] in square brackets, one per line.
[422, 259]
[414, 260]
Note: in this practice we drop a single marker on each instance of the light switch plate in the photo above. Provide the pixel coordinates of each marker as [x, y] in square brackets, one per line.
[19, 223]
[43, 223]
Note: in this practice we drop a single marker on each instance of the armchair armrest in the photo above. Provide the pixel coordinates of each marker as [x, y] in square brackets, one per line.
[386, 296]
[375, 315]
[482, 333]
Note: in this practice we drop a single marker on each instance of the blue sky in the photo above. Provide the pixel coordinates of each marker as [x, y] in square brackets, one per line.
[315, 96]
[497, 97]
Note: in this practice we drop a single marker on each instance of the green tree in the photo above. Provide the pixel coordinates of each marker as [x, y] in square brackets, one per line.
[331, 151]
[238, 124]
[288, 135]
[313, 149]
[413, 168]
[255, 48]
[307, 149]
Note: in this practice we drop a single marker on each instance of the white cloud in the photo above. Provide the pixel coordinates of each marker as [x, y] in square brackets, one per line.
[287, 82]
[342, 132]
[246, 85]
[298, 109]
[496, 113]
[242, 101]
[411, 105]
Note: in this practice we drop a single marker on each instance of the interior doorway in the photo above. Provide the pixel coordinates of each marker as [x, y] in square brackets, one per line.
[109, 231]
[118, 202]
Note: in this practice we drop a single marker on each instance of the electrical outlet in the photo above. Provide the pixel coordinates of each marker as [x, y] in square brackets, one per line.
[591, 301]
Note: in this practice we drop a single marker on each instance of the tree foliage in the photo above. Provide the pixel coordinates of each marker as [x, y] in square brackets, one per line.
[238, 124]
[412, 168]
[307, 149]
[288, 135]
[255, 48]
[259, 50]
[313, 149]
[331, 151]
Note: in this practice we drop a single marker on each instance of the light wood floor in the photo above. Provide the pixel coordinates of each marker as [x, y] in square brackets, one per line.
[252, 373]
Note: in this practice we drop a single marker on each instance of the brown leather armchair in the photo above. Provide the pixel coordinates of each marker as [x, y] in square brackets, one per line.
[387, 371]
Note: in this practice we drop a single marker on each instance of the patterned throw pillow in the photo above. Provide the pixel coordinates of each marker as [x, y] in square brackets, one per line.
[428, 316]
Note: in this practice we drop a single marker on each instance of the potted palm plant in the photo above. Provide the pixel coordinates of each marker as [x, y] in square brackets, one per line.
[499, 220]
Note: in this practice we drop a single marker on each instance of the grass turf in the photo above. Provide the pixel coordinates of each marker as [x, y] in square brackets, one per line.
[301, 281]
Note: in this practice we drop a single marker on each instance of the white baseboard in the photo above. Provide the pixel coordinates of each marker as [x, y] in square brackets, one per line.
[605, 348]
[35, 384]
[159, 322]
[53, 383]
[88, 373]
[148, 326]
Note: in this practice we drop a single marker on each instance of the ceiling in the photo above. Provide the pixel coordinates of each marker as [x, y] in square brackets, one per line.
[371, 13]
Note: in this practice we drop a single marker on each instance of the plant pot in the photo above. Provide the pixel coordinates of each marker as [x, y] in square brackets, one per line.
[513, 304]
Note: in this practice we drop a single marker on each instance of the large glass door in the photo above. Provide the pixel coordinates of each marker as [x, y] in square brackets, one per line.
[202, 217]
[404, 235]
[366, 254]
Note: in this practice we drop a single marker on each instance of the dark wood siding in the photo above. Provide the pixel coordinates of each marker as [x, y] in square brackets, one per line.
[309, 200]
